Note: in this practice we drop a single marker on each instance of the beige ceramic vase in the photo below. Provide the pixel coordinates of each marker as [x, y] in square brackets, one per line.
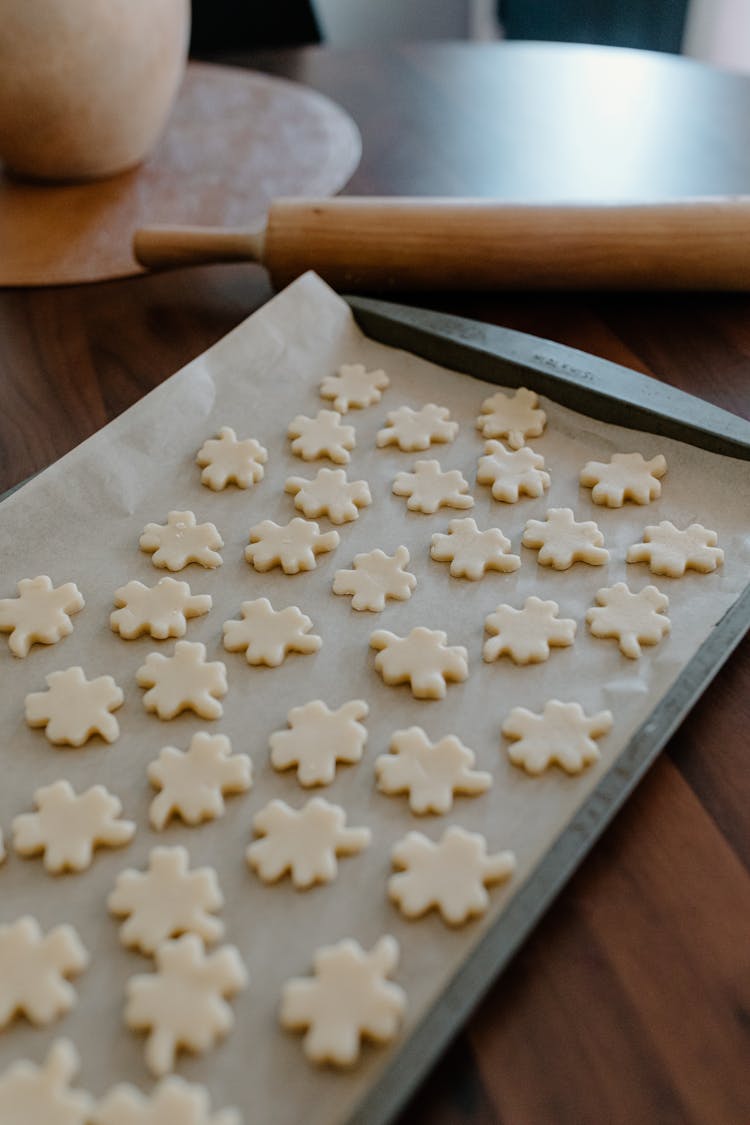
[86, 86]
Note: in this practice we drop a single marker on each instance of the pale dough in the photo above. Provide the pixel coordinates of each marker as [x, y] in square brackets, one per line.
[192, 783]
[430, 772]
[74, 709]
[302, 842]
[293, 546]
[318, 738]
[40, 614]
[329, 494]
[512, 472]
[354, 386]
[34, 970]
[161, 611]
[472, 552]
[562, 734]
[670, 551]
[413, 430]
[42, 1095]
[173, 1101]
[526, 635]
[67, 827]
[423, 659]
[375, 578]
[267, 635]
[322, 436]
[185, 681]
[633, 619]
[563, 541]
[429, 488]
[181, 541]
[225, 460]
[626, 477]
[514, 417]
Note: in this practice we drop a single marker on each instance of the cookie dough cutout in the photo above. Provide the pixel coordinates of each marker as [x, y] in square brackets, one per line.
[562, 541]
[449, 876]
[632, 619]
[183, 1004]
[318, 738]
[293, 546]
[67, 827]
[225, 460]
[527, 635]
[322, 436]
[472, 552]
[267, 635]
[42, 1095]
[423, 659]
[330, 494]
[302, 842]
[627, 476]
[348, 999]
[185, 681]
[74, 709]
[413, 430]
[181, 541]
[40, 614]
[562, 733]
[429, 488]
[192, 783]
[513, 417]
[173, 1101]
[670, 551]
[35, 969]
[354, 387]
[161, 611]
[375, 578]
[512, 473]
[429, 772]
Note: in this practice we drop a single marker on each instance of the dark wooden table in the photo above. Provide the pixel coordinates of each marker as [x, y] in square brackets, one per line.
[631, 1002]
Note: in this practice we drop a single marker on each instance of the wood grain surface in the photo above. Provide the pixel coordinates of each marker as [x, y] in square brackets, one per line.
[630, 1005]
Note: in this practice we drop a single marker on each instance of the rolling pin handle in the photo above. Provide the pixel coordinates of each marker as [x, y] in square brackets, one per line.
[164, 247]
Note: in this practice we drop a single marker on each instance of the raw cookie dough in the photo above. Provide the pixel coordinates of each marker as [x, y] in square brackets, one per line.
[225, 460]
[430, 772]
[347, 1000]
[429, 488]
[34, 968]
[318, 738]
[633, 619]
[161, 611]
[67, 826]
[74, 709]
[303, 842]
[423, 659]
[185, 681]
[173, 1101]
[376, 577]
[322, 436]
[40, 614]
[563, 541]
[526, 635]
[42, 1095]
[667, 550]
[292, 546]
[562, 734]
[512, 473]
[354, 386]
[192, 783]
[514, 418]
[181, 541]
[626, 477]
[413, 430]
[267, 636]
[329, 494]
[472, 552]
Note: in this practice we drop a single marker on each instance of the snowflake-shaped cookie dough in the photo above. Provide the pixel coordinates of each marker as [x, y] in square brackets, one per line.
[429, 488]
[318, 738]
[225, 460]
[322, 436]
[472, 552]
[667, 550]
[40, 614]
[181, 541]
[267, 635]
[430, 772]
[42, 1095]
[354, 386]
[329, 494]
[349, 999]
[166, 901]
[161, 611]
[513, 417]
[184, 1003]
[194, 782]
[526, 635]
[423, 659]
[626, 477]
[74, 709]
[303, 842]
[562, 734]
[633, 619]
[375, 577]
[172, 1102]
[412, 430]
[563, 541]
[449, 875]
[292, 546]
[185, 681]
[512, 472]
[33, 970]
[67, 826]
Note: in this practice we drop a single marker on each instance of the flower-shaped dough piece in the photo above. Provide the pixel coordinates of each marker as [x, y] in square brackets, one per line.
[267, 635]
[181, 541]
[68, 826]
[192, 783]
[318, 738]
[563, 541]
[626, 477]
[514, 418]
[449, 876]
[292, 546]
[173, 1102]
[412, 430]
[512, 472]
[429, 488]
[166, 901]
[161, 611]
[322, 436]
[472, 552]
[633, 619]
[74, 709]
[40, 614]
[347, 1000]
[526, 635]
[354, 386]
[329, 494]
[562, 734]
[423, 659]
[185, 681]
[42, 1095]
[33, 970]
[303, 842]
[225, 460]
[430, 772]
[184, 1003]
[375, 577]
[667, 550]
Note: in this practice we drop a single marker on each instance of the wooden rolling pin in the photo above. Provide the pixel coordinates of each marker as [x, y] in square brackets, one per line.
[371, 244]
